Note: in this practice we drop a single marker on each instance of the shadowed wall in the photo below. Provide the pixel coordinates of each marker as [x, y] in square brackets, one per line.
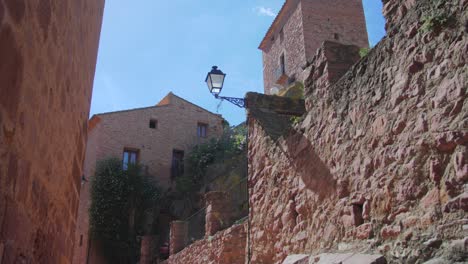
[48, 51]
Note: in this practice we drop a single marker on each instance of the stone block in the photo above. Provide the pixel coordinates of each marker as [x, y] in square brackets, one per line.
[218, 212]
[348, 258]
[147, 249]
[178, 236]
[276, 104]
[297, 259]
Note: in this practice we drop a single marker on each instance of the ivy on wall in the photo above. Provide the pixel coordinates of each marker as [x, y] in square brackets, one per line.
[121, 200]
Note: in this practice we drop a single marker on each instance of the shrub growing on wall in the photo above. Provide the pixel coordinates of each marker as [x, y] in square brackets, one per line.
[225, 156]
[119, 200]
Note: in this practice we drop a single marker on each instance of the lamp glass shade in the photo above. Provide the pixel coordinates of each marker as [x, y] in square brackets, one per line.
[215, 80]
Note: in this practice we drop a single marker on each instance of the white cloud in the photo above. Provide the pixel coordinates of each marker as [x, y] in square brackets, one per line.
[264, 11]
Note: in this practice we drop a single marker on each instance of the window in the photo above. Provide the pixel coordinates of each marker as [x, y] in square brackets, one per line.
[282, 64]
[336, 36]
[177, 168]
[130, 156]
[153, 123]
[202, 130]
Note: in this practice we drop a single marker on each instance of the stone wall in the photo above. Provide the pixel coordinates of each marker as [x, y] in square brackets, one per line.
[227, 246]
[299, 30]
[291, 45]
[334, 20]
[48, 51]
[379, 162]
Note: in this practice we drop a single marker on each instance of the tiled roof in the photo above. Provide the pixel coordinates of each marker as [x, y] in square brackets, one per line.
[158, 106]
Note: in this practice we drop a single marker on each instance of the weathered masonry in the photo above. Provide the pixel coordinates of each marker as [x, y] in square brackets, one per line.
[378, 162]
[48, 51]
[298, 31]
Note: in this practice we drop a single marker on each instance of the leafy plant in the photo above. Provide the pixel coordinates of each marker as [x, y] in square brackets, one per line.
[295, 120]
[119, 200]
[363, 52]
[221, 155]
[434, 21]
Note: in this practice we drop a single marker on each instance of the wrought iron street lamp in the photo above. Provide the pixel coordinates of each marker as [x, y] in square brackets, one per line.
[215, 81]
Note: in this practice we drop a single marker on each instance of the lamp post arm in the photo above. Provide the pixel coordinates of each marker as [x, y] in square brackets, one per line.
[240, 102]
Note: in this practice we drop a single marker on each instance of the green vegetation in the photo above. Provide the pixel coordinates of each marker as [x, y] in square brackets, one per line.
[296, 119]
[363, 52]
[435, 21]
[294, 91]
[220, 161]
[121, 201]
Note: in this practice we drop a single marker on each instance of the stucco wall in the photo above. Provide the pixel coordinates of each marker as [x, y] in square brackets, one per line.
[48, 52]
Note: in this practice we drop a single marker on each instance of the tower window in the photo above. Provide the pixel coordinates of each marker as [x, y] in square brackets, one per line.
[153, 123]
[282, 64]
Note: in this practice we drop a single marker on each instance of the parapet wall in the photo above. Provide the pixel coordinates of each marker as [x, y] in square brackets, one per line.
[227, 246]
[379, 162]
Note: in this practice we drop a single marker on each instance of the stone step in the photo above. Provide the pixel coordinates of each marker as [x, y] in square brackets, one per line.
[336, 258]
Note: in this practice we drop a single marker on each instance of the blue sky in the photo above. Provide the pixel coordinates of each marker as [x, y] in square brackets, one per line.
[151, 47]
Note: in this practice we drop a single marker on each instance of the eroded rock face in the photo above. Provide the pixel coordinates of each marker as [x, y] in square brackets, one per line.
[380, 156]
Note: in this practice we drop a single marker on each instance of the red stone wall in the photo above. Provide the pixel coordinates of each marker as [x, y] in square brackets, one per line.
[227, 246]
[48, 52]
[82, 242]
[305, 28]
[380, 161]
[177, 121]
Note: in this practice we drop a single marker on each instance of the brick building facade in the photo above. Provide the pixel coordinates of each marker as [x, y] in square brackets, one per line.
[159, 136]
[298, 31]
[48, 51]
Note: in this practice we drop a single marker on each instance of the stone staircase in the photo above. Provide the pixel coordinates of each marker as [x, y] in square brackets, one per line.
[336, 258]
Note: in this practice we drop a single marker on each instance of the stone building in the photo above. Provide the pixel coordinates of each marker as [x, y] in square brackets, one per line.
[157, 137]
[45, 91]
[298, 31]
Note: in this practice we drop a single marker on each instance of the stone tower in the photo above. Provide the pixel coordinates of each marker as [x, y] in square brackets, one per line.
[299, 29]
